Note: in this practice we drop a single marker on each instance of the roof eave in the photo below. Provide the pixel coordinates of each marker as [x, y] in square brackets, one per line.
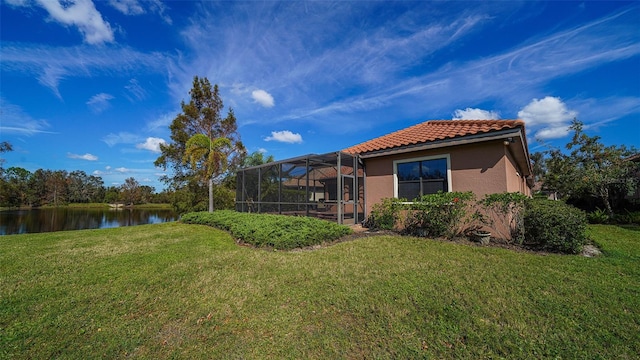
[521, 154]
[462, 140]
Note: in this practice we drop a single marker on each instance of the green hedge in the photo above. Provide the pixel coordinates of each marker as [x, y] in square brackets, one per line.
[555, 226]
[274, 231]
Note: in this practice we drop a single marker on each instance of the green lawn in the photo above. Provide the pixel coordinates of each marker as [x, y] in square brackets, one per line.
[187, 291]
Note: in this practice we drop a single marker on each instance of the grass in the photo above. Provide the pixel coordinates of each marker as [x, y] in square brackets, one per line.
[187, 291]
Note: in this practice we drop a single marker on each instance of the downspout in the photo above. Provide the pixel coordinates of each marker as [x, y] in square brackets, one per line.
[280, 188]
[339, 188]
[306, 193]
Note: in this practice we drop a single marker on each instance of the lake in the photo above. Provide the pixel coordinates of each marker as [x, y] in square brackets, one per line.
[59, 219]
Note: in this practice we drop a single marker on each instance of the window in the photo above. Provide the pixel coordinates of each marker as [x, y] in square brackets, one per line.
[417, 177]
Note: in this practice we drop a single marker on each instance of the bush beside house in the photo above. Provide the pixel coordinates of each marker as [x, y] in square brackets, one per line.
[535, 223]
[555, 226]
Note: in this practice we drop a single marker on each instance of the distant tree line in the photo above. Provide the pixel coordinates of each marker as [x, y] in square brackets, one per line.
[20, 187]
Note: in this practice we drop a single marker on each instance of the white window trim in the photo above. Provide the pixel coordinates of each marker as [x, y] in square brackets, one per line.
[422, 158]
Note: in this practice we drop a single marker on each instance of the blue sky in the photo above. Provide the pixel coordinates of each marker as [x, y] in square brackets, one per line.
[93, 85]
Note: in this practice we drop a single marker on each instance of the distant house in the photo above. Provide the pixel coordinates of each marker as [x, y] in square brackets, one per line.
[482, 156]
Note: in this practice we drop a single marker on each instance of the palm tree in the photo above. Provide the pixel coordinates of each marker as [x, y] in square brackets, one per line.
[207, 158]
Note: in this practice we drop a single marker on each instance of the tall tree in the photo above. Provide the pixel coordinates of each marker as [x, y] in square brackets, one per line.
[38, 187]
[130, 191]
[5, 146]
[57, 188]
[15, 187]
[201, 116]
[209, 156]
[591, 168]
[538, 165]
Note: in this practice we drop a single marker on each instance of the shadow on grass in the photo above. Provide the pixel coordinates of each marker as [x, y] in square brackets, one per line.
[631, 227]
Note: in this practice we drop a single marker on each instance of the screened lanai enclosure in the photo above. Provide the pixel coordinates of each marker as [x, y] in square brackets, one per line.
[329, 186]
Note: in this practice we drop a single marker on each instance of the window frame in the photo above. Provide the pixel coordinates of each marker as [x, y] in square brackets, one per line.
[446, 156]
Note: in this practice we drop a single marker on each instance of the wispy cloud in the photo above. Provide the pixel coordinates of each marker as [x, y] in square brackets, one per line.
[87, 156]
[99, 102]
[15, 121]
[121, 138]
[600, 114]
[318, 78]
[297, 54]
[160, 123]
[52, 65]
[284, 136]
[134, 91]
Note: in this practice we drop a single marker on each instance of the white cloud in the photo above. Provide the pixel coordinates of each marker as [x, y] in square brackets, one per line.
[151, 144]
[100, 172]
[550, 110]
[127, 7]
[83, 15]
[475, 114]
[262, 150]
[99, 102]
[285, 136]
[135, 7]
[263, 98]
[550, 114]
[552, 132]
[122, 169]
[86, 156]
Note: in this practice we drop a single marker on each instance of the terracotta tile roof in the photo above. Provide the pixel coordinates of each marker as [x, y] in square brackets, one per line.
[433, 130]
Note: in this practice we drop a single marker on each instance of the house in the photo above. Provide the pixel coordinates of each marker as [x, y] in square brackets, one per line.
[482, 156]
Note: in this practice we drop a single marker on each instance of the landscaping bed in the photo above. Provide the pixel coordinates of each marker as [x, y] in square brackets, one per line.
[278, 232]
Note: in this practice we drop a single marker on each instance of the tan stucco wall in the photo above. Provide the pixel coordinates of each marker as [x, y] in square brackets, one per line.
[515, 181]
[483, 168]
[512, 173]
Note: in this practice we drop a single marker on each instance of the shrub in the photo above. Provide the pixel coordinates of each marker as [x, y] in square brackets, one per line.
[598, 216]
[505, 212]
[267, 230]
[441, 214]
[555, 226]
[385, 215]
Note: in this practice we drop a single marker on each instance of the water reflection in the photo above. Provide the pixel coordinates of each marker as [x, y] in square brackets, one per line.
[59, 219]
